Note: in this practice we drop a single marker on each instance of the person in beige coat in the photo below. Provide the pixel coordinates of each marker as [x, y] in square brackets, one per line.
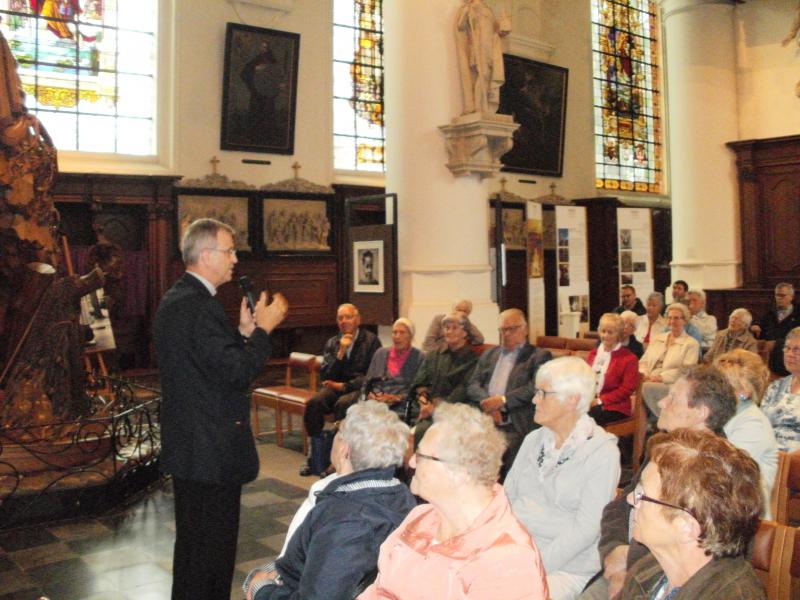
[736, 336]
[667, 354]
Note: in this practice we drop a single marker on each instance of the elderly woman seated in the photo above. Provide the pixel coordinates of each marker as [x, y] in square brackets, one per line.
[696, 508]
[666, 355]
[737, 335]
[651, 323]
[563, 476]
[628, 338]
[616, 371]
[749, 429]
[782, 401]
[337, 543]
[466, 543]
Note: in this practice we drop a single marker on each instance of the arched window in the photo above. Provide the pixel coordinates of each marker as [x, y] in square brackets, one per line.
[627, 100]
[88, 68]
[358, 130]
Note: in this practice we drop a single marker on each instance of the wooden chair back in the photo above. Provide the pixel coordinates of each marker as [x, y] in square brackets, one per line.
[786, 493]
[635, 425]
[303, 362]
[773, 550]
[550, 342]
[581, 344]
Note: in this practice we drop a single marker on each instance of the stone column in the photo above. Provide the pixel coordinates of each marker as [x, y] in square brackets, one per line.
[700, 59]
[443, 220]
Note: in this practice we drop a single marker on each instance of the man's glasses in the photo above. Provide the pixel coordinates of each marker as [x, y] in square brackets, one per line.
[228, 251]
[505, 330]
[791, 349]
[639, 496]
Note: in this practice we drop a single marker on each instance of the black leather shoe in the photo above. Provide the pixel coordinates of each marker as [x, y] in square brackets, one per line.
[305, 470]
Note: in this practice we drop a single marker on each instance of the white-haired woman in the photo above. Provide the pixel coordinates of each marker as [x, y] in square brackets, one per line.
[782, 401]
[736, 336]
[651, 323]
[563, 476]
[466, 543]
[393, 369]
[337, 542]
[667, 354]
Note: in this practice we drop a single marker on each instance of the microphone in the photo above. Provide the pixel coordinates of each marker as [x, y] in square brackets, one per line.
[247, 290]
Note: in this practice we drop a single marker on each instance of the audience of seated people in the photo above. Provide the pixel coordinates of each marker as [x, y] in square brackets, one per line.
[696, 508]
[652, 322]
[776, 323]
[629, 301]
[466, 542]
[701, 399]
[444, 374]
[749, 427]
[628, 339]
[336, 543]
[564, 474]
[345, 360]
[616, 372]
[666, 355]
[502, 383]
[392, 370]
[435, 338]
[781, 403]
[703, 325]
[736, 336]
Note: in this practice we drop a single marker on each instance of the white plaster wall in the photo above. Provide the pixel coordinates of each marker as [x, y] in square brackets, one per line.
[767, 72]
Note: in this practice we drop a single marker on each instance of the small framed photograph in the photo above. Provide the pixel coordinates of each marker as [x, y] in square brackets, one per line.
[368, 271]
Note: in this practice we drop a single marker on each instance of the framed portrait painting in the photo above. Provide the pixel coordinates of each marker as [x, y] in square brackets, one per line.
[535, 94]
[259, 89]
[368, 272]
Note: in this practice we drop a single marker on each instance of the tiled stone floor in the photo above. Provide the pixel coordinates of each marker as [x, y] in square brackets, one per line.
[127, 555]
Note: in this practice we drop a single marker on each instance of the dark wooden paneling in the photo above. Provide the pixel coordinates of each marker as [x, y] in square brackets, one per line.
[721, 303]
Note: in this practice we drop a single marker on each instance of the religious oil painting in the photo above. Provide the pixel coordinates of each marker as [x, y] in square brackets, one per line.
[535, 249]
[231, 210]
[368, 271]
[535, 94]
[296, 226]
[259, 90]
[513, 227]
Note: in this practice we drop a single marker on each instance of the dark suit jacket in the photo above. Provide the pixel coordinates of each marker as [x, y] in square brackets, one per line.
[638, 308]
[520, 387]
[351, 369]
[206, 368]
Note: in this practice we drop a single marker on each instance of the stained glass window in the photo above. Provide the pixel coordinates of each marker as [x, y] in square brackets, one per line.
[627, 101]
[88, 68]
[358, 132]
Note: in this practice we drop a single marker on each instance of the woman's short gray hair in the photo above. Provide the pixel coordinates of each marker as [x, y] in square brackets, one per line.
[569, 376]
[681, 307]
[658, 297]
[745, 315]
[377, 437]
[472, 441]
[794, 334]
[407, 324]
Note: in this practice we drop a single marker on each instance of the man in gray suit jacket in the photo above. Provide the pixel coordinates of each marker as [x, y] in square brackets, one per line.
[503, 381]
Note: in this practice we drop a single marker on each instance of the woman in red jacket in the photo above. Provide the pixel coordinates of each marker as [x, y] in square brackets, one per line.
[616, 370]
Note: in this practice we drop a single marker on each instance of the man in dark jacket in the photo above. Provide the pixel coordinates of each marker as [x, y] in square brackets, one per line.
[337, 543]
[206, 367]
[503, 382]
[345, 360]
[775, 324]
[629, 301]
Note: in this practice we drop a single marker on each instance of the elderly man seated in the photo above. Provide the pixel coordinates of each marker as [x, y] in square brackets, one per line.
[737, 335]
[702, 398]
[345, 360]
[703, 323]
[435, 339]
[503, 381]
[444, 374]
[777, 323]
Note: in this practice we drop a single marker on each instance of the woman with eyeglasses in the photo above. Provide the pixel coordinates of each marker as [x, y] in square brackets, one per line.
[781, 403]
[696, 509]
[563, 476]
[466, 543]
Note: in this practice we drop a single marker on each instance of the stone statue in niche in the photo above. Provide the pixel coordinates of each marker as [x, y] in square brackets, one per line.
[790, 38]
[480, 55]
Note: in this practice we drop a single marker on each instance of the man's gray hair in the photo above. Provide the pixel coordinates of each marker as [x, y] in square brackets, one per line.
[471, 441]
[628, 315]
[658, 296]
[785, 286]
[200, 235]
[745, 315]
[569, 376]
[699, 293]
[377, 437]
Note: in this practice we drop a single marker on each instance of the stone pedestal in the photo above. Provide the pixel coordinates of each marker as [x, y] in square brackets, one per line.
[476, 141]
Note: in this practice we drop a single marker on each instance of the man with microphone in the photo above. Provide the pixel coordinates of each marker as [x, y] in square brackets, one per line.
[206, 367]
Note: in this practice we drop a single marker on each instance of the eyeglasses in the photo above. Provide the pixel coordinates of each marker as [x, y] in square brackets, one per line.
[791, 349]
[419, 455]
[540, 393]
[781, 294]
[504, 330]
[228, 251]
[639, 496]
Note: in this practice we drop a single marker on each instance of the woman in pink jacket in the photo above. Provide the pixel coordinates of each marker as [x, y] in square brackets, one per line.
[465, 544]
